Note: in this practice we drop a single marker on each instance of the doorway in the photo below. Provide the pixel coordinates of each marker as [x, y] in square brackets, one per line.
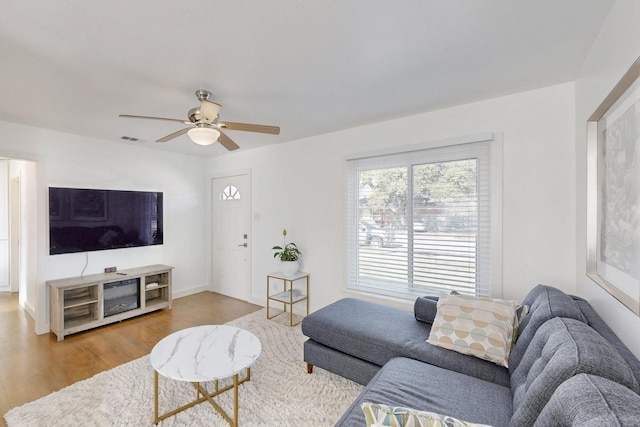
[231, 234]
[18, 202]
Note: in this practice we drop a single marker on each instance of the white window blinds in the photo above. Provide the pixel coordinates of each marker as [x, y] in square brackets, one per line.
[419, 221]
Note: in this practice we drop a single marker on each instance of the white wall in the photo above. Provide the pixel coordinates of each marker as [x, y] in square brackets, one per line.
[74, 161]
[616, 48]
[301, 186]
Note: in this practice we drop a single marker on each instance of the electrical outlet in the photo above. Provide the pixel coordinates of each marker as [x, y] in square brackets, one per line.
[110, 269]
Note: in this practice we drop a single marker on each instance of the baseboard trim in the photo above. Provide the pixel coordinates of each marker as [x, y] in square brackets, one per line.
[186, 292]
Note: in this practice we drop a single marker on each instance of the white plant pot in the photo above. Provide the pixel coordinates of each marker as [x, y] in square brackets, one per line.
[289, 268]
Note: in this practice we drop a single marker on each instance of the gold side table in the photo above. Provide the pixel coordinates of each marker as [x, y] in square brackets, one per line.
[290, 295]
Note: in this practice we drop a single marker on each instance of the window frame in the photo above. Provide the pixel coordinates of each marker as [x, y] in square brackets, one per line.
[494, 263]
[229, 194]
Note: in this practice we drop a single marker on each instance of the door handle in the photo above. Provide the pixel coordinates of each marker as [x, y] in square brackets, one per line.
[243, 245]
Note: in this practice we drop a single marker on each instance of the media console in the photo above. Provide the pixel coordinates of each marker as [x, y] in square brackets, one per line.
[86, 302]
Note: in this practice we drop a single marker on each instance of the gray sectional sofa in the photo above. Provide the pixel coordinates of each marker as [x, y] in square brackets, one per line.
[566, 367]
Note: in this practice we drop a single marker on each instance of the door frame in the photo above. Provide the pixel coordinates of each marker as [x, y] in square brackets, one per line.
[15, 232]
[230, 174]
[6, 195]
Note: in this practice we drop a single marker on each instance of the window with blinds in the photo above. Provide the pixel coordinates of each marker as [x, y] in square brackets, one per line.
[419, 221]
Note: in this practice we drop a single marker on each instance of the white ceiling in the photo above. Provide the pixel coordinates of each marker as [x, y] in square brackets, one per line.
[310, 67]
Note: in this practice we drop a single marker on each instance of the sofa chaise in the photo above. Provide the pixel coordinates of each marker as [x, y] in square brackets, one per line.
[566, 366]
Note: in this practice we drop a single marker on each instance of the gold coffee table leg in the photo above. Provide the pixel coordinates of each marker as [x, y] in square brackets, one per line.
[202, 395]
[235, 400]
[155, 403]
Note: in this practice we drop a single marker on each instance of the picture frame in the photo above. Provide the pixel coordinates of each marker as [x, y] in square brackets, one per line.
[613, 191]
[89, 205]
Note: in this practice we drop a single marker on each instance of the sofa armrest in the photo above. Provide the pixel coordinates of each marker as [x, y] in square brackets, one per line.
[424, 309]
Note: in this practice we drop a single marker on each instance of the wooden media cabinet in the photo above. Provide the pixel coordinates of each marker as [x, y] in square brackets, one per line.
[78, 303]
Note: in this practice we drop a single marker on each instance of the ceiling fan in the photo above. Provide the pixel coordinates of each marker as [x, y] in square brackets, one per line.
[205, 128]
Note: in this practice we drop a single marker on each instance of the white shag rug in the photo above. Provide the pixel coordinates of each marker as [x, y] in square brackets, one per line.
[280, 392]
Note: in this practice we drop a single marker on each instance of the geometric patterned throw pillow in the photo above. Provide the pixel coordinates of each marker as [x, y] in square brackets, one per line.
[480, 327]
[377, 415]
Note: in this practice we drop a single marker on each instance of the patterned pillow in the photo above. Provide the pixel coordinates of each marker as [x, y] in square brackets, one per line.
[481, 327]
[521, 313]
[377, 415]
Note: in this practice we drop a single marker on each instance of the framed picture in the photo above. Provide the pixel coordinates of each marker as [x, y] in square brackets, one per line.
[89, 205]
[613, 191]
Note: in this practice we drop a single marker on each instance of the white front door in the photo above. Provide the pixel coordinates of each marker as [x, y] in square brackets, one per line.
[231, 227]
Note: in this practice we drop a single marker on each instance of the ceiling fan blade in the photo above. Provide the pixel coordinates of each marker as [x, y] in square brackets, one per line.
[129, 116]
[274, 130]
[174, 135]
[227, 143]
[209, 110]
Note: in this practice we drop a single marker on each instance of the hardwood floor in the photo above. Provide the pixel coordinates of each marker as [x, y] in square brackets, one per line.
[32, 366]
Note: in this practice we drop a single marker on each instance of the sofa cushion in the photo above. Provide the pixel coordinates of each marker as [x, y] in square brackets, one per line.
[545, 302]
[481, 327]
[347, 366]
[596, 322]
[376, 333]
[366, 330]
[378, 415]
[590, 401]
[560, 349]
[410, 383]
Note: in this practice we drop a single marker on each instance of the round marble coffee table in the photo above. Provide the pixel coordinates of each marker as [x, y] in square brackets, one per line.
[205, 353]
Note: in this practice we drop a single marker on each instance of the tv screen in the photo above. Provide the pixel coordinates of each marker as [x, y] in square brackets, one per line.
[82, 220]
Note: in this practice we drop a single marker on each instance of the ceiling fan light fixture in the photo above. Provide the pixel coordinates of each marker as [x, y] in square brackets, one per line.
[203, 124]
[204, 136]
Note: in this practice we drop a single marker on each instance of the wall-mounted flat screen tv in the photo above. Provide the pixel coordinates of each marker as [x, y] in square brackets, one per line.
[82, 220]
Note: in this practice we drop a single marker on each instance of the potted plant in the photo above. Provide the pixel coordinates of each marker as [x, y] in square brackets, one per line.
[288, 254]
